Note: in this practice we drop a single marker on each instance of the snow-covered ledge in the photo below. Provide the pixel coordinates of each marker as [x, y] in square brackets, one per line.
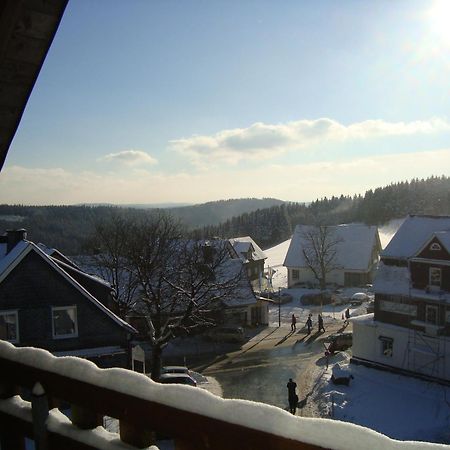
[200, 405]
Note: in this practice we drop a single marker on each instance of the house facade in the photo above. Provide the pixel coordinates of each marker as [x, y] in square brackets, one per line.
[253, 259]
[356, 247]
[409, 330]
[43, 305]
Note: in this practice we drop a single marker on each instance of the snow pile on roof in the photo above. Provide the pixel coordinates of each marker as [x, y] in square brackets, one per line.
[243, 293]
[243, 244]
[392, 280]
[322, 432]
[414, 233]
[354, 246]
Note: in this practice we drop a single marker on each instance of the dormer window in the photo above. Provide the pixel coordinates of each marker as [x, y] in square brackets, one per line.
[435, 246]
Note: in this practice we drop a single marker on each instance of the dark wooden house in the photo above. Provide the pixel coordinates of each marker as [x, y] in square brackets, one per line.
[50, 304]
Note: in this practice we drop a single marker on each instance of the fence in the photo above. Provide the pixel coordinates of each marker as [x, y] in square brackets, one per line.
[51, 381]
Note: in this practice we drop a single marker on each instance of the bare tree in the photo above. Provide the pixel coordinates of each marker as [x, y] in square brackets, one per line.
[110, 242]
[319, 250]
[179, 282]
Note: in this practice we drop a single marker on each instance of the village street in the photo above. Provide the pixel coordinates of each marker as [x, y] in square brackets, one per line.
[260, 370]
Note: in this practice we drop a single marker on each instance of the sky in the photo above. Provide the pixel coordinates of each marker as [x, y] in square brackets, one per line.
[194, 101]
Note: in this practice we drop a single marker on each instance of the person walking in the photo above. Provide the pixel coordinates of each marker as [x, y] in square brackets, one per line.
[293, 323]
[309, 324]
[292, 396]
[347, 316]
[320, 321]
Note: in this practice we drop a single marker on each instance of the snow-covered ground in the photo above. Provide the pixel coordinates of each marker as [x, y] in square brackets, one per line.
[400, 407]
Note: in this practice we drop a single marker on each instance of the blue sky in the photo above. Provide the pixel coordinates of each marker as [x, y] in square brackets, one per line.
[192, 101]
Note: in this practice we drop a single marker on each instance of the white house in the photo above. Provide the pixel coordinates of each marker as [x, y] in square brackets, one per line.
[357, 248]
[252, 257]
[410, 329]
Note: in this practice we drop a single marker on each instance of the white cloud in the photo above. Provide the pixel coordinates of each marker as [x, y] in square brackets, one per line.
[301, 182]
[130, 157]
[263, 141]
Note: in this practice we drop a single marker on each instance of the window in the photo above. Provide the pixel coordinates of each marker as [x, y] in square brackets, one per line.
[435, 276]
[387, 346]
[435, 246]
[295, 274]
[64, 322]
[9, 326]
[431, 314]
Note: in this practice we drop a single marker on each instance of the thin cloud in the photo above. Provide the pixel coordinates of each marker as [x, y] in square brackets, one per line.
[318, 179]
[264, 141]
[130, 158]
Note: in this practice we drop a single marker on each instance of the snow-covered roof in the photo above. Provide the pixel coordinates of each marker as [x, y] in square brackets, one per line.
[24, 247]
[414, 232]
[243, 294]
[354, 246]
[392, 280]
[243, 244]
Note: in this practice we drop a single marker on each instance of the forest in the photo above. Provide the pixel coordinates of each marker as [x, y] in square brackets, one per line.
[267, 221]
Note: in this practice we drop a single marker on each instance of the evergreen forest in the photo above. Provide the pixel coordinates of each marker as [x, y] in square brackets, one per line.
[267, 221]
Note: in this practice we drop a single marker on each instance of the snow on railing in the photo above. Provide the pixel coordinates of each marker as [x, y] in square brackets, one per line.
[193, 417]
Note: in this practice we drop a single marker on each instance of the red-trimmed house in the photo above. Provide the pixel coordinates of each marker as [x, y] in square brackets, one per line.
[410, 328]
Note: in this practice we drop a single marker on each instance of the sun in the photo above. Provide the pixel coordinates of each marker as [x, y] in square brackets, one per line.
[439, 15]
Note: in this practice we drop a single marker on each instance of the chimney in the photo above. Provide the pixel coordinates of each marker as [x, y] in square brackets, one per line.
[14, 237]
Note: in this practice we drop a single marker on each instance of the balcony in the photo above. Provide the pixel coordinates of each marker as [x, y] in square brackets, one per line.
[194, 418]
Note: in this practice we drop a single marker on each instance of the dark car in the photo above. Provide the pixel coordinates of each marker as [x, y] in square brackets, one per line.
[177, 378]
[338, 342]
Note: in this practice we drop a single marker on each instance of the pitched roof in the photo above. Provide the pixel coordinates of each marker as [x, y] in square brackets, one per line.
[354, 246]
[243, 244]
[414, 232]
[23, 248]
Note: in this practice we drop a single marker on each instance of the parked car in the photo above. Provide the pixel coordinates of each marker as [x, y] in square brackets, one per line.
[175, 369]
[370, 307]
[227, 334]
[358, 298]
[177, 378]
[338, 342]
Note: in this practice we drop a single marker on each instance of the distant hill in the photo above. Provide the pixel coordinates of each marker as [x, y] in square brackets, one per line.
[213, 213]
[268, 221]
[66, 227]
[273, 225]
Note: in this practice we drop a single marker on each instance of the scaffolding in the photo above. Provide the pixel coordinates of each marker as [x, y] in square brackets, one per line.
[426, 352]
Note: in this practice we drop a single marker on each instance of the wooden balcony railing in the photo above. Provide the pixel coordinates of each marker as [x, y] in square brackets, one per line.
[194, 418]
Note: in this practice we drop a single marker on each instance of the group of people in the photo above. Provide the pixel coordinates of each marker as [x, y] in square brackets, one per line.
[309, 323]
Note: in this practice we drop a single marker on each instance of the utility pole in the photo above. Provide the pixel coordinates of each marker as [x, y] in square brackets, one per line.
[279, 307]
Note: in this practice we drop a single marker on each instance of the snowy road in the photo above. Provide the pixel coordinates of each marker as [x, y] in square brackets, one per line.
[260, 371]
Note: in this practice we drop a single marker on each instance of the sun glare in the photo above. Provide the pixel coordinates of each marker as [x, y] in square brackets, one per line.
[440, 19]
